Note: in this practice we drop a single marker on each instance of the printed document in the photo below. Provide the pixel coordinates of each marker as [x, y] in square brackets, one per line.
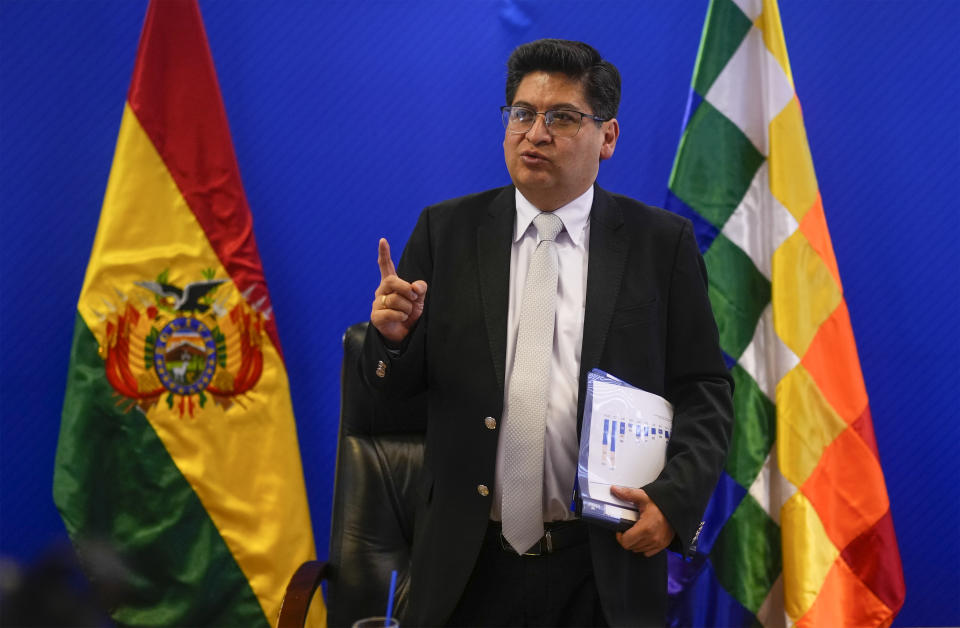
[623, 442]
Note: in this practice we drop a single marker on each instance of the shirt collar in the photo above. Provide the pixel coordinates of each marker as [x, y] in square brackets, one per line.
[573, 215]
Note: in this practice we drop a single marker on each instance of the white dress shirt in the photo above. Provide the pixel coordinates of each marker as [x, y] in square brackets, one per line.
[561, 445]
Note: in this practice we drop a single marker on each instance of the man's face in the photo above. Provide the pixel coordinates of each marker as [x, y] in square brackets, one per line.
[552, 171]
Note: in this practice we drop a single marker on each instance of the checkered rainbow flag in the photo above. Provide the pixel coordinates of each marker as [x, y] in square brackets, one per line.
[799, 529]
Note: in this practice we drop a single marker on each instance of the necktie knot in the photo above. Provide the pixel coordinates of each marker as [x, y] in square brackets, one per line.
[548, 226]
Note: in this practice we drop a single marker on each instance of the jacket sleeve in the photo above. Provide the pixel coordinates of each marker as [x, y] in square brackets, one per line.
[700, 388]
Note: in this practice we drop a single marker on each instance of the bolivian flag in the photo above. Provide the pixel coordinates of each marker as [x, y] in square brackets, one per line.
[178, 447]
[799, 530]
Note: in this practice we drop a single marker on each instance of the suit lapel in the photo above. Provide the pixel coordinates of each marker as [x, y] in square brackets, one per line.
[494, 240]
[608, 257]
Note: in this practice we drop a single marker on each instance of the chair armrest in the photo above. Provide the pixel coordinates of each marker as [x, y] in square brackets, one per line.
[296, 599]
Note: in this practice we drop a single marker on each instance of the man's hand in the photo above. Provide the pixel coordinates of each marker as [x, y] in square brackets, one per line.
[651, 533]
[397, 305]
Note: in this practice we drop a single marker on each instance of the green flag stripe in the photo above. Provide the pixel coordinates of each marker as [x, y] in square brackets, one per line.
[754, 430]
[714, 165]
[723, 30]
[746, 554]
[116, 486]
[738, 293]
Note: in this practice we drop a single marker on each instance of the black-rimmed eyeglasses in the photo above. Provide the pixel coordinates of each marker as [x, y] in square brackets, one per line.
[559, 122]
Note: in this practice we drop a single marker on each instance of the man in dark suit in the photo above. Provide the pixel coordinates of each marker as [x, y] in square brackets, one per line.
[630, 299]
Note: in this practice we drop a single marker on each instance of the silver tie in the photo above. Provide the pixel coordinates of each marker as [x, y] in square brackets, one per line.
[522, 502]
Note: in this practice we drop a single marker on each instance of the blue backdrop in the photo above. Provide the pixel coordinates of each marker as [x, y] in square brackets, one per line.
[350, 117]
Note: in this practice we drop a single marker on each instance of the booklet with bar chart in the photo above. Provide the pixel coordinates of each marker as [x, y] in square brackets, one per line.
[623, 442]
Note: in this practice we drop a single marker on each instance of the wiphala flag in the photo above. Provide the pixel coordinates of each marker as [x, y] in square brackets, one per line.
[799, 530]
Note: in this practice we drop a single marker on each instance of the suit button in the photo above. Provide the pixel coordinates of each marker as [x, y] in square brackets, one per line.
[381, 369]
[490, 422]
[483, 490]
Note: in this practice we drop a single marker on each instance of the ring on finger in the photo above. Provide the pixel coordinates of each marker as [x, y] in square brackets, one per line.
[383, 301]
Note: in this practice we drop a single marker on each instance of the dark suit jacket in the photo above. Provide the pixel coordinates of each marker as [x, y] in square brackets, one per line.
[648, 321]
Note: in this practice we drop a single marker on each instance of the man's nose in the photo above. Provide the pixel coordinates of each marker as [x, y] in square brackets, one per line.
[539, 133]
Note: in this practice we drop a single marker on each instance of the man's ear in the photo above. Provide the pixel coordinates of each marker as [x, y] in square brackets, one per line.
[611, 131]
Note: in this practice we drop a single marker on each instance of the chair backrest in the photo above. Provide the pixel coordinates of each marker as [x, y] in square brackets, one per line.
[374, 500]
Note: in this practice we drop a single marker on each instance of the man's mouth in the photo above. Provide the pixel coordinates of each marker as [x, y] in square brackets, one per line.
[533, 158]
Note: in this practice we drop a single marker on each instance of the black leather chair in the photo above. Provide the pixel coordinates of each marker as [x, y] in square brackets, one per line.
[374, 500]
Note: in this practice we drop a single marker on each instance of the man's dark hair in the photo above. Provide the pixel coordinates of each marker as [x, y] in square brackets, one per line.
[579, 61]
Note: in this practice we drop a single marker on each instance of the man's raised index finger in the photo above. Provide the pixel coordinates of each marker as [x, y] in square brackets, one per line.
[387, 269]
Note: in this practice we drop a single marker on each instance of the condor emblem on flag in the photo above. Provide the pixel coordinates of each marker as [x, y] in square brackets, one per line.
[183, 345]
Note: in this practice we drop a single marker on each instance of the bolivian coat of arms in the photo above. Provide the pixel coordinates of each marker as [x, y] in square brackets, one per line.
[183, 345]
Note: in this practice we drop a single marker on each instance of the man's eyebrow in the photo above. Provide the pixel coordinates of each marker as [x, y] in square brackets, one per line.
[554, 106]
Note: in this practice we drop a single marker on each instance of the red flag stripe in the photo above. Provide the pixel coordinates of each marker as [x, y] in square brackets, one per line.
[177, 100]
